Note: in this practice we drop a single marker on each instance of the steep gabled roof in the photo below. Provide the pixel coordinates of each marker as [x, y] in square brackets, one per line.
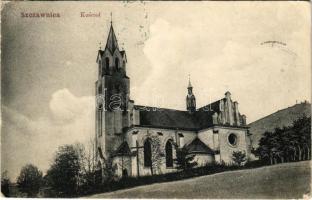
[197, 146]
[111, 43]
[214, 106]
[166, 118]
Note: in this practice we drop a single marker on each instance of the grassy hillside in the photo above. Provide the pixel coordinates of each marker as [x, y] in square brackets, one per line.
[290, 180]
[279, 119]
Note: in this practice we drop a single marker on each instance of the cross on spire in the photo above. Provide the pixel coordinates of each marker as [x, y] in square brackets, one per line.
[111, 15]
[189, 85]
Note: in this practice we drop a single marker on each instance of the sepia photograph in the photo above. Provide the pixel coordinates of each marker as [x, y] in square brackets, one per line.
[156, 99]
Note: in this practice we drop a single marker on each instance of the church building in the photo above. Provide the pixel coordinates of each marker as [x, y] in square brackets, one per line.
[141, 140]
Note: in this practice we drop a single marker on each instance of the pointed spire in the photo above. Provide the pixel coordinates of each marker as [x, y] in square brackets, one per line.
[111, 43]
[189, 85]
[190, 98]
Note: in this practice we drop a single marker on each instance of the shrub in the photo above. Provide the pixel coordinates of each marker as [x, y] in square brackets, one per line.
[239, 157]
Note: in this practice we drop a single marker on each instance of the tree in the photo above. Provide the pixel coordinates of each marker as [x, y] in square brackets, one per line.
[157, 154]
[5, 184]
[239, 157]
[29, 180]
[287, 144]
[184, 160]
[109, 170]
[63, 175]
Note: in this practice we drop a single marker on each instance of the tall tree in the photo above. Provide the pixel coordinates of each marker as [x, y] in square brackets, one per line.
[63, 175]
[29, 180]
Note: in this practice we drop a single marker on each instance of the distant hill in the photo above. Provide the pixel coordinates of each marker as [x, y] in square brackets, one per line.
[279, 119]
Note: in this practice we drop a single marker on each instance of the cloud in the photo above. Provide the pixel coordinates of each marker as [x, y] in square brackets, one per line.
[65, 106]
[236, 62]
[35, 141]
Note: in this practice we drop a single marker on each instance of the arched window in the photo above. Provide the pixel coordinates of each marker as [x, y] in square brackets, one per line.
[100, 114]
[117, 64]
[100, 68]
[100, 89]
[169, 159]
[181, 140]
[147, 153]
[107, 65]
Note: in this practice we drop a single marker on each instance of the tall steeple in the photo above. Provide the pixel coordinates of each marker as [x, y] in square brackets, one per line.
[190, 98]
[112, 92]
[111, 43]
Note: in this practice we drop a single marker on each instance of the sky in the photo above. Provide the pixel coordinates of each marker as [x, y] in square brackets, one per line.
[49, 65]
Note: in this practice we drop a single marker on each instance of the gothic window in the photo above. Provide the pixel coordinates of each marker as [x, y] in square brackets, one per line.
[147, 153]
[107, 65]
[100, 113]
[100, 68]
[169, 159]
[117, 64]
[181, 140]
[100, 89]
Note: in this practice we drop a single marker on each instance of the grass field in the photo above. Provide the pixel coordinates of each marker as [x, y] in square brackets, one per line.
[290, 180]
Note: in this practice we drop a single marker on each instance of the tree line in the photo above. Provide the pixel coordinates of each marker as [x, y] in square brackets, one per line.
[287, 144]
[72, 172]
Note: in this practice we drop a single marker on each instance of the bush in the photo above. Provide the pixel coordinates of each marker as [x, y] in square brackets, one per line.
[239, 157]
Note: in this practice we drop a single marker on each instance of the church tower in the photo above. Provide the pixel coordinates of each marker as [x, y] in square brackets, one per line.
[112, 90]
[190, 99]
